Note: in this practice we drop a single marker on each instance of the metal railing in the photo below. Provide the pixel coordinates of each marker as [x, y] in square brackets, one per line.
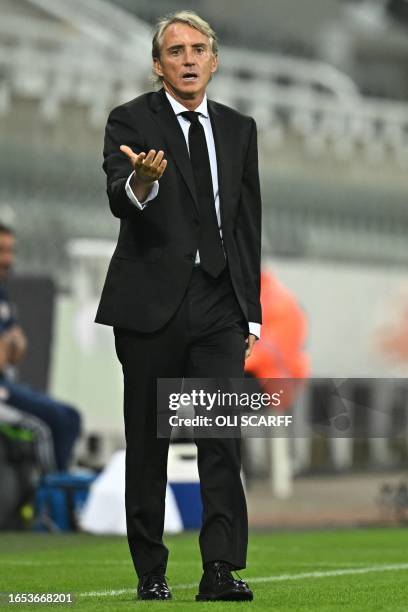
[98, 55]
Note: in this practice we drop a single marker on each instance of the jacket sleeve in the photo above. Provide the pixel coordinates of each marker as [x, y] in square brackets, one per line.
[120, 131]
[248, 228]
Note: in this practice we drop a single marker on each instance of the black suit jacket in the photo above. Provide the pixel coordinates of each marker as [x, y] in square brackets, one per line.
[151, 266]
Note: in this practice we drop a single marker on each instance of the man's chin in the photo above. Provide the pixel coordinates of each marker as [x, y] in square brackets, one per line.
[190, 94]
[187, 93]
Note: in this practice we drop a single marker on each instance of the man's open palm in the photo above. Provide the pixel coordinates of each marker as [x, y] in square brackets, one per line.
[148, 168]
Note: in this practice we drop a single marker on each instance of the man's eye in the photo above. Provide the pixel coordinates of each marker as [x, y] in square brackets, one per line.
[175, 52]
[200, 50]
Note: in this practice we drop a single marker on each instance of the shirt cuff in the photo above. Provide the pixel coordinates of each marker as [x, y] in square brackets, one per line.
[151, 195]
[255, 328]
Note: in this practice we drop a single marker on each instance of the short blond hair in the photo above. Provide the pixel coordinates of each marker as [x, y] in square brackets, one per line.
[188, 17]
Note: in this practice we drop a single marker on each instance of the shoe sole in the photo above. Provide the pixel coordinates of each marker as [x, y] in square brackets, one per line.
[226, 596]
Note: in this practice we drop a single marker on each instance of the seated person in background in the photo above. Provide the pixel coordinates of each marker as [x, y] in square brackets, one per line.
[63, 420]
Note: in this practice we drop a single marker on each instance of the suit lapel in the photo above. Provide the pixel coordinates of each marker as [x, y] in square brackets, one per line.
[225, 154]
[164, 115]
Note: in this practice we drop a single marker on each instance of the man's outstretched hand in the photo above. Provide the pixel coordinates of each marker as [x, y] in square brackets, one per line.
[250, 344]
[148, 168]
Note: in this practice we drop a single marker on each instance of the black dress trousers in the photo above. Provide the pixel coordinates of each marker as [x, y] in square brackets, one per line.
[205, 338]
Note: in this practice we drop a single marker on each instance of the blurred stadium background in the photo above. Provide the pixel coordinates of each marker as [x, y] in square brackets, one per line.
[327, 82]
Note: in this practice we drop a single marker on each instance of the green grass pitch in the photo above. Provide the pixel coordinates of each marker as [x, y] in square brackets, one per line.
[359, 570]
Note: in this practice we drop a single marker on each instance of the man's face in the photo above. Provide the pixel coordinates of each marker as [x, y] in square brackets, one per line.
[7, 253]
[186, 62]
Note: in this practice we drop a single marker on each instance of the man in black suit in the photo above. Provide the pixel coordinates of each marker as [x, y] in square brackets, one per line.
[182, 289]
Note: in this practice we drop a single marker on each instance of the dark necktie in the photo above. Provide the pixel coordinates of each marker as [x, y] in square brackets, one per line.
[212, 258]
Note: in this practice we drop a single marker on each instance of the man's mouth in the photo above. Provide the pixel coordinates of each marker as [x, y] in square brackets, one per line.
[190, 76]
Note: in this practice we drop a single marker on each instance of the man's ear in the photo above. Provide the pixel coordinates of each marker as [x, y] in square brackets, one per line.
[214, 65]
[157, 67]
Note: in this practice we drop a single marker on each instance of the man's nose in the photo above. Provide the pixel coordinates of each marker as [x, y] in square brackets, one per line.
[189, 58]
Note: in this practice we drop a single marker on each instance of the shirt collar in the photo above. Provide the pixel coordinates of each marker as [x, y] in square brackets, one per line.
[179, 108]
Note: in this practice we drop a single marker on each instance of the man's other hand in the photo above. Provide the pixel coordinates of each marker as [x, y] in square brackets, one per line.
[250, 344]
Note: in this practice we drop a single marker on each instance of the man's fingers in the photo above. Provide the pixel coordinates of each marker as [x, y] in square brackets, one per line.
[162, 167]
[154, 165]
[250, 341]
[134, 158]
[128, 151]
[157, 160]
[150, 165]
[139, 159]
[149, 157]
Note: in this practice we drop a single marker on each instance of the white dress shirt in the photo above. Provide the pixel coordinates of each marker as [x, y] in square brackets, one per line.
[254, 328]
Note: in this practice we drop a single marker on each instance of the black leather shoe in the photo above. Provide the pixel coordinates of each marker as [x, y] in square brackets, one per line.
[153, 586]
[218, 584]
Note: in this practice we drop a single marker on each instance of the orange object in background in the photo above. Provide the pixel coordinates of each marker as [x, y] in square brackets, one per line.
[391, 338]
[279, 353]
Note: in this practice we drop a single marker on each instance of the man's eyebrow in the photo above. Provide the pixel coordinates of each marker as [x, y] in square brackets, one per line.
[181, 46]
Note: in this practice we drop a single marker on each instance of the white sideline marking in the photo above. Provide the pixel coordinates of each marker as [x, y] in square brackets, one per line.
[278, 578]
